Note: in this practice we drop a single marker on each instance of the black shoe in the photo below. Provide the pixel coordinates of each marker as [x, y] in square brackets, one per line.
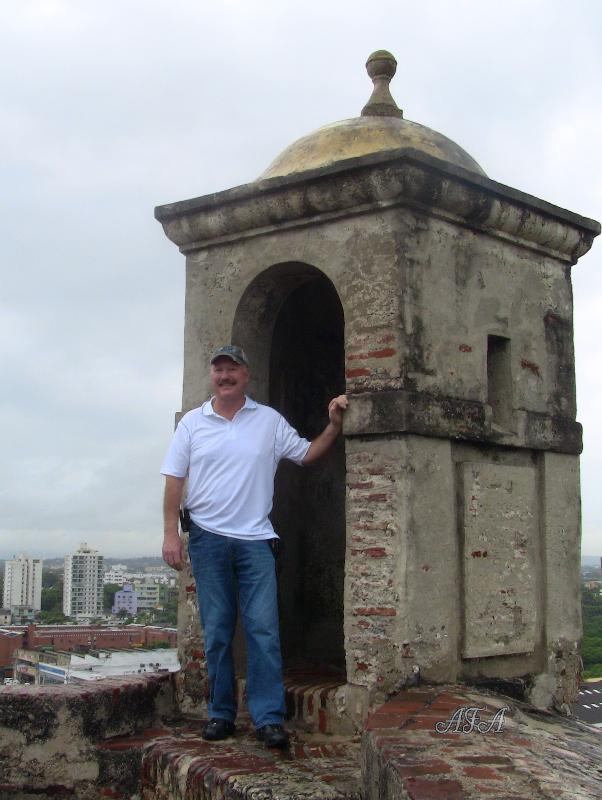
[217, 729]
[273, 736]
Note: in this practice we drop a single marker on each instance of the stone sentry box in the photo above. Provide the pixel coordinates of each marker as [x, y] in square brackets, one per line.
[441, 537]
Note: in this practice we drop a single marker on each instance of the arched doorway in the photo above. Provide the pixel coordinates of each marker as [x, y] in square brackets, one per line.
[291, 322]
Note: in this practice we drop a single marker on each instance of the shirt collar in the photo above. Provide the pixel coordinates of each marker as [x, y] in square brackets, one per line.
[207, 407]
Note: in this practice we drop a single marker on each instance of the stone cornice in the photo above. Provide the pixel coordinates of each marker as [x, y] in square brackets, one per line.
[403, 177]
[397, 411]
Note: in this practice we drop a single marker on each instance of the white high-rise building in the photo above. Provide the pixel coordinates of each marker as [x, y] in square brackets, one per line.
[82, 591]
[23, 582]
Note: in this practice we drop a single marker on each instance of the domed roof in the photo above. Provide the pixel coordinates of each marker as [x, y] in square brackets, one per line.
[381, 127]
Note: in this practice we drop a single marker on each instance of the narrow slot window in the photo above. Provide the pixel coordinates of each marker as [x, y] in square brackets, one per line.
[499, 379]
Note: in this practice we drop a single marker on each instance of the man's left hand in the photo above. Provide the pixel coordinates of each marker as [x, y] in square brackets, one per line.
[336, 407]
[322, 443]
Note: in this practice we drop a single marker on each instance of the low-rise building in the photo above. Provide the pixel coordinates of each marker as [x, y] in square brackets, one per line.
[85, 637]
[10, 641]
[147, 595]
[114, 576]
[22, 615]
[43, 667]
[126, 600]
[117, 567]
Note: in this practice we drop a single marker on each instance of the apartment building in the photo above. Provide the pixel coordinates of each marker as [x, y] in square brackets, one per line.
[23, 583]
[83, 588]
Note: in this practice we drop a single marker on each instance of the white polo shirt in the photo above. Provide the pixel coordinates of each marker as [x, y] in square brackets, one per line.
[231, 466]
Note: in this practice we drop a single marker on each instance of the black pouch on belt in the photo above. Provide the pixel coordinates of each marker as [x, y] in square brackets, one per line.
[185, 519]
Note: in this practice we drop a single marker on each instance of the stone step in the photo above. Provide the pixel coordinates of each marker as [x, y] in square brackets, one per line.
[311, 699]
[179, 765]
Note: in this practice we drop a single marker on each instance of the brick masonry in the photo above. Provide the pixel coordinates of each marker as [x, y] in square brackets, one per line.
[372, 586]
[184, 767]
[429, 743]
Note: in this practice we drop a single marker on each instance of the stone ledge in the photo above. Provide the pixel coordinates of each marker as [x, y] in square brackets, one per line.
[374, 413]
[49, 734]
[414, 746]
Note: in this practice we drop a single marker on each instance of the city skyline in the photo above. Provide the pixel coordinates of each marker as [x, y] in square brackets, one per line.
[112, 560]
[92, 308]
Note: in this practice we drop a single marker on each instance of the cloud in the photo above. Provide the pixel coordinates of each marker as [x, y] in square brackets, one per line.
[110, 109]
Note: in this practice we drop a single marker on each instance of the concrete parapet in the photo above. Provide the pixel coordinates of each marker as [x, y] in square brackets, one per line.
[50, 735]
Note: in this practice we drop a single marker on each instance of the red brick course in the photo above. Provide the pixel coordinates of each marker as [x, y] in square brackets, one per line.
[357, 372]
[371, 552]
[385, 352]
[482, 772]
[375, 612]
[423, 789]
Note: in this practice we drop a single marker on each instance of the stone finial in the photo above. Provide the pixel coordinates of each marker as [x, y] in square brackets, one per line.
[381, 66]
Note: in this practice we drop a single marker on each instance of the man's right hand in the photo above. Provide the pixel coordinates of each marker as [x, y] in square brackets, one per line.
[173, 551]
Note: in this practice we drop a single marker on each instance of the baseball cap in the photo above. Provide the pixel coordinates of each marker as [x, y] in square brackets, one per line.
[231, 351]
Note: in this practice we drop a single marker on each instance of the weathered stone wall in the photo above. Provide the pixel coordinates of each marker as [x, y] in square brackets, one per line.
[402, 578]
[369, 293]
[462, 562]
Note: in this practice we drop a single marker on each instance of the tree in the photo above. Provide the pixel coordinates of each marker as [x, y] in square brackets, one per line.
[53, 617]
[50, 578]
[168, 615]
[52, 597]
[591, 648]
[108, 595]
[145, 617]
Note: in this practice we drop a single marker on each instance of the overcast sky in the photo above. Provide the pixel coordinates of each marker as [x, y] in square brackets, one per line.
[110, 108]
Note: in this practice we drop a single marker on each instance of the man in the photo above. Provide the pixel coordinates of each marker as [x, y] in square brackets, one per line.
[229, 449]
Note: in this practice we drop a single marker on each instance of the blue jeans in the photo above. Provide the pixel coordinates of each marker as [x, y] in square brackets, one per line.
[223, 568]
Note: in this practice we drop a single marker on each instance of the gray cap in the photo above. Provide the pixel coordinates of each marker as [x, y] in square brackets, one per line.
[231, 351]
